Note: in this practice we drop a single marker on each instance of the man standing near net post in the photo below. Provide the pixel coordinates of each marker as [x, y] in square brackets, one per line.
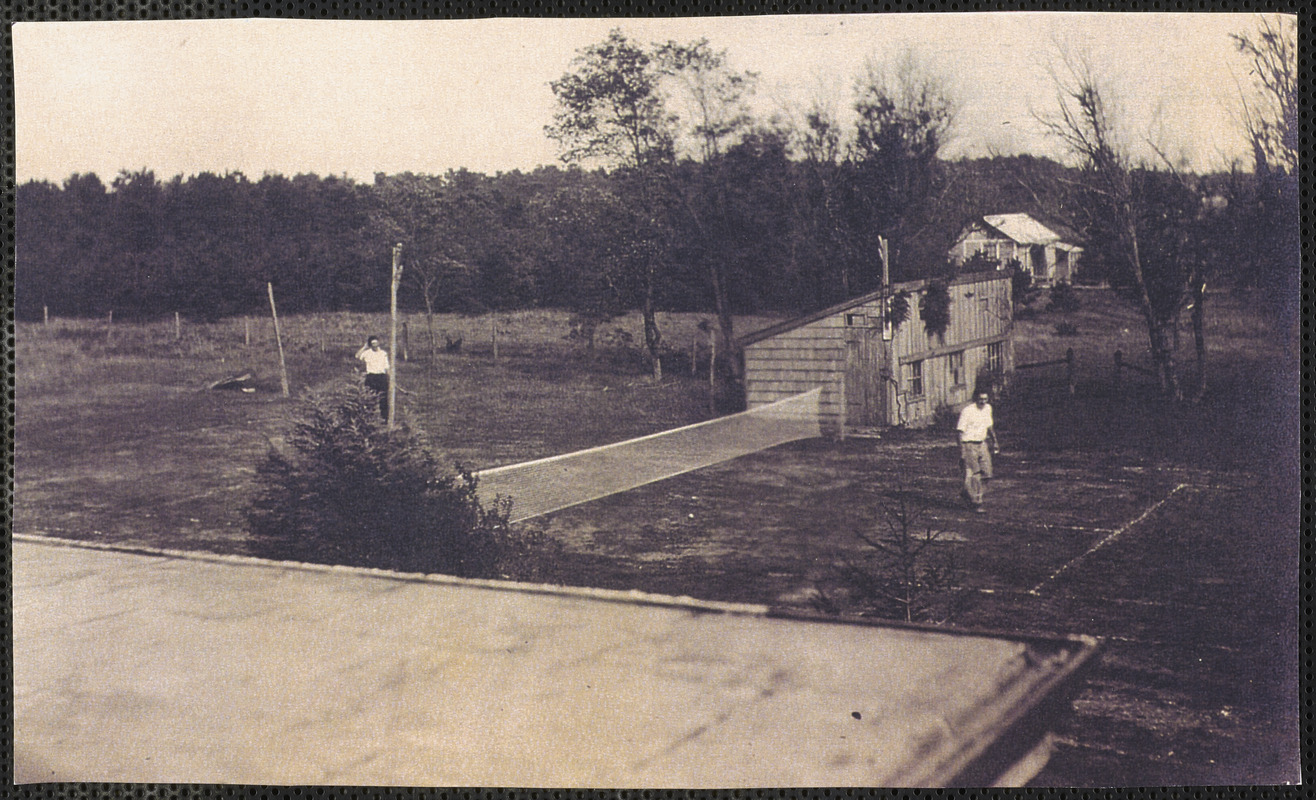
[975, 428]
[376, 361]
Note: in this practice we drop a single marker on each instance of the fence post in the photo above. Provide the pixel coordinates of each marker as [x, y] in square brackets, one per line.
[278, 339]
[694, 349]
[45, 315]
[1119, 363]
[178, 327]
[406, 339]
[1069, 368]
[109, 325]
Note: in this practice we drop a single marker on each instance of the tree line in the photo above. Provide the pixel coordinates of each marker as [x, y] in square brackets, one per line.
[673, 196]
[206, 245]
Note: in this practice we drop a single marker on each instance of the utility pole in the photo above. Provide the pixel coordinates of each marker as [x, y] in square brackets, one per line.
[393, 337]
[886, 261]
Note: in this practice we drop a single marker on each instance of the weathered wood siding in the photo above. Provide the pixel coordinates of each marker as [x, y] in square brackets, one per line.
[797, 361]
[980, 316]
[813, 355]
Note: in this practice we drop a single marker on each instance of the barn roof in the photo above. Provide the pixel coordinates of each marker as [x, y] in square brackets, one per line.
[907, 286]
[1023, 228]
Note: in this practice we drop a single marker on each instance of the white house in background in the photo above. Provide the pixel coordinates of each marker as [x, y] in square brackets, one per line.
[1049, 253]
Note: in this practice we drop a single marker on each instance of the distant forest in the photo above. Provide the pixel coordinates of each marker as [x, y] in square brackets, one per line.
[785, 234]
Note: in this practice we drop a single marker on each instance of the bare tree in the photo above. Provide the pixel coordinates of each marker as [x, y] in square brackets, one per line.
[1086, 125]
[1270, 110]
[1266, 208]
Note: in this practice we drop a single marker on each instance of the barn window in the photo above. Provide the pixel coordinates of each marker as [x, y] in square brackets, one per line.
[956, 363]
[995, 351]
[855, 320]
[916, 379]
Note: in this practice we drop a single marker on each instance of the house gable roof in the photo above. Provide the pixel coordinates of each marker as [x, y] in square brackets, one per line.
[1022, 228]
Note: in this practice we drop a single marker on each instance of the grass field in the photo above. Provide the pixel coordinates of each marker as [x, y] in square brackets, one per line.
[1169, 529]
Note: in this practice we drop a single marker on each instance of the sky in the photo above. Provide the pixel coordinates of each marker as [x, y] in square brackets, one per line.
[356, 98]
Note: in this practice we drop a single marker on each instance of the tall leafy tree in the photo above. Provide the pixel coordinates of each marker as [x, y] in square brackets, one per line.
[42, 250]
[906, 113]
[715, 98]
[818, 248]
[611, 109]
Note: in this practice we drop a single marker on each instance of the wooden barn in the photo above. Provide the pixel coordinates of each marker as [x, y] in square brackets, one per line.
[876, 374]
[1047, 251]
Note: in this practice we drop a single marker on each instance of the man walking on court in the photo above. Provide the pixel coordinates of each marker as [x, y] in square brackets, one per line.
[975, 428]
[376, 361]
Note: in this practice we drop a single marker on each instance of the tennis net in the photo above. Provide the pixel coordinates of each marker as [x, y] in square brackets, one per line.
[550, 484]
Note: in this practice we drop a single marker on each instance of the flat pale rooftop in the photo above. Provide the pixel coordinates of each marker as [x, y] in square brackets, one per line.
[157, 667]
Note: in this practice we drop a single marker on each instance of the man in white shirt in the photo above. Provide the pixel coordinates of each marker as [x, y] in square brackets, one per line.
[975, 428]
[376, 361]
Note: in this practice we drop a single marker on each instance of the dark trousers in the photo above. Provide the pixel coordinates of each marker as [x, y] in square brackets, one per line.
[377, 382]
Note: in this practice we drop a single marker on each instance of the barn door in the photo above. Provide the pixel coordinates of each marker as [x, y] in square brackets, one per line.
[863, 386]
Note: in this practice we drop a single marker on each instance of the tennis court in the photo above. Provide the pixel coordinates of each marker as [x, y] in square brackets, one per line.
[1184, 568]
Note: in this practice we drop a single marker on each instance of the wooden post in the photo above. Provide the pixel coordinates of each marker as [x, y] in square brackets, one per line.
[845, 408]
[493, 317]
[712, 370]
[886, 269]
[1069, 368]
[393, 336]
[406, 338]
[1119, 363]
[109, 325]
[278, 338]
[246, 332]
[178, 327]
[694, 352]
[45, 315]
[323, 334]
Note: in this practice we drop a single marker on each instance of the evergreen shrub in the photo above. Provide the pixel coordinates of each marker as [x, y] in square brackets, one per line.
[345, 490]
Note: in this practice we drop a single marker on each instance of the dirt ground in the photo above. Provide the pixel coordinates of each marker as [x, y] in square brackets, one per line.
[1170, 530]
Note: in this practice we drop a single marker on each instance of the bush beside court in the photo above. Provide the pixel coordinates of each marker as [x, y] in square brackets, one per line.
[345, 490]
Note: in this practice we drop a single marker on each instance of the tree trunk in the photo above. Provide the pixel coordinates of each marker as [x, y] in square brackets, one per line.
[653, 337]
[1162, 355]
[726, 322]
[1199, 337]
[429, 323]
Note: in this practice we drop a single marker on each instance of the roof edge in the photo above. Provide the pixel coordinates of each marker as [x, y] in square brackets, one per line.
[905, 286]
